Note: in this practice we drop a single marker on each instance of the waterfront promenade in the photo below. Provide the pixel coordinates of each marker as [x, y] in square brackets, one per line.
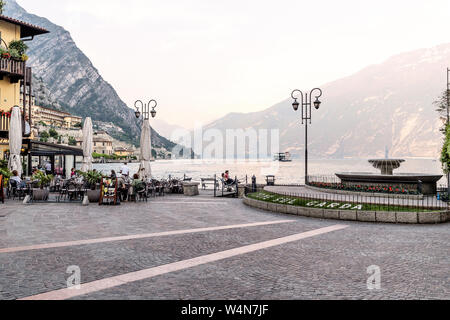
[205, 248]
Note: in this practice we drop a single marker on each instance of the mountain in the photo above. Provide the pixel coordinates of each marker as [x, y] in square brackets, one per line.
[389, 104]
[164, 128]
[74, 83]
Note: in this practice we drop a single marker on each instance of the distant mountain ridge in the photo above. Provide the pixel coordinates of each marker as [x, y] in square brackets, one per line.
[389, 104]
[75, 84]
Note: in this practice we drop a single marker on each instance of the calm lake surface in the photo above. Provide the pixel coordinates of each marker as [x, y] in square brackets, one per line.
[286, 173]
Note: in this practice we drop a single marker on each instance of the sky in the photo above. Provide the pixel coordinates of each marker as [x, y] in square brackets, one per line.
[202, 59]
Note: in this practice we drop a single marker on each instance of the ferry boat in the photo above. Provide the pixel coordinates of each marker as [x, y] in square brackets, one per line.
[283, 157]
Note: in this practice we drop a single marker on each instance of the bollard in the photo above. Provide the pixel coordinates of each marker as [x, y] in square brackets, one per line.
[254, 188]
[85, 201]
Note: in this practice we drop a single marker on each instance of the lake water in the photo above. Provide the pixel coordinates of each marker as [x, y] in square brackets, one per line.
[286, 173]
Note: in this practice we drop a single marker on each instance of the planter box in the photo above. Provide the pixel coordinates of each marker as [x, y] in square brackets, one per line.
[93, 195]
[40, 194]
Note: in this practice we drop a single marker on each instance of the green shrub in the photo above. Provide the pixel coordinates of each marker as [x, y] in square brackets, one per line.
[43, 179]
[18, 46]
[52, 132]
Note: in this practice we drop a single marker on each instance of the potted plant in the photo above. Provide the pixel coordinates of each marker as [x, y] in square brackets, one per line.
[92, 179]
[43, 181]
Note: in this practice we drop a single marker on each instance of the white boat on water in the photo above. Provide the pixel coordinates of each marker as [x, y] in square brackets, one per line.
[283, 157]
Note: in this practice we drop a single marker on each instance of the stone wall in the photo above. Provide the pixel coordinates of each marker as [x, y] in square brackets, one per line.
[348, 215]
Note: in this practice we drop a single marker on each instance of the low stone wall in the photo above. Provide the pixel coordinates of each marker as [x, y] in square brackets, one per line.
[347, 215]
[364, 194]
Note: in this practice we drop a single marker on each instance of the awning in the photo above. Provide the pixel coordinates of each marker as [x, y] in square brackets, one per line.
[39, 148]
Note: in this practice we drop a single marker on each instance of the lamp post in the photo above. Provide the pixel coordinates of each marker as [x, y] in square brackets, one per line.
[144, 109]
[306, 108]
[448, 121]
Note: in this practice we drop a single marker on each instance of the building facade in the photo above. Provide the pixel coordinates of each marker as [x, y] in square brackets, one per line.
[102, 143]
[122, 152]
[15, 76]
[52, 117]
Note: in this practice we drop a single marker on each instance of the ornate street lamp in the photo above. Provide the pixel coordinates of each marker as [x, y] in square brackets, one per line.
[306, 108]
[144, 109]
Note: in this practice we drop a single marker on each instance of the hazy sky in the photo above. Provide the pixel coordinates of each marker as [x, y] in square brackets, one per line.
[202, 59]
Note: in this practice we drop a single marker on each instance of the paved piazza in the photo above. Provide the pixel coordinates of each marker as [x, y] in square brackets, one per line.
[204, 248]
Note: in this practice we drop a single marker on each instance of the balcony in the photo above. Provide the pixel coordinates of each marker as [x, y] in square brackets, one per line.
[5, 125]
[13, 69]
[4, 122]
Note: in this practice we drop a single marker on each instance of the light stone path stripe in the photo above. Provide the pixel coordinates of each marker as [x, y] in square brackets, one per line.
[188, 202]
[138, 236]
[116, 281]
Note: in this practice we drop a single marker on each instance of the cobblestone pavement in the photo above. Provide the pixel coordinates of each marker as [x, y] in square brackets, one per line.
[413, 259]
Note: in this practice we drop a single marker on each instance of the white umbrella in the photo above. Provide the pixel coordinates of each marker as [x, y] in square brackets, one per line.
[15, 141]
[87, 145]
[145, 171]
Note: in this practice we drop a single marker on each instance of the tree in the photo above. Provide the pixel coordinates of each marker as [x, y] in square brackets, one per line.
[441, 107]
[44, 136]
[445, 156]
[52, 132]
[2, 6]
[72, 141]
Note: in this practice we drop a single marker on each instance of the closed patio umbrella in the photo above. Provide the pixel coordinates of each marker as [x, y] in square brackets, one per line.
[145, 171]
[15, 141]
[87, 145]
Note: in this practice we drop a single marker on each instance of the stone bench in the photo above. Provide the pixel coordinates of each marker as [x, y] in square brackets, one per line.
[191, 189]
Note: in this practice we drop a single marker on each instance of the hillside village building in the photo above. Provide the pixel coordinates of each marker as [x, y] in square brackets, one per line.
[102, 143]
[52, 117]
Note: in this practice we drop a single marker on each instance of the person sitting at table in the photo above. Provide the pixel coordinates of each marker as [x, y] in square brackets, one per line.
[137, 184]
[15, 177]
[73, 172]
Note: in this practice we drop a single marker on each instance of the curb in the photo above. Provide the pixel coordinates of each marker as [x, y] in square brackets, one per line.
[347, 215]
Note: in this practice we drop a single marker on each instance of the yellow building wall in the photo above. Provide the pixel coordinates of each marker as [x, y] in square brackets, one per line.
[9, 92]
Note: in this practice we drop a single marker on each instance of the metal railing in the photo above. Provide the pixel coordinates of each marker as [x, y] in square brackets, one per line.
[393, 203]
[13, 67]
[4, 122]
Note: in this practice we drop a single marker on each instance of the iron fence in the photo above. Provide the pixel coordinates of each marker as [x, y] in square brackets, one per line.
[359, 202]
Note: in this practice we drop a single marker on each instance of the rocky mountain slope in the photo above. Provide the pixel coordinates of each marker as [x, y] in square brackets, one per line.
[390, 104]
[75, 84]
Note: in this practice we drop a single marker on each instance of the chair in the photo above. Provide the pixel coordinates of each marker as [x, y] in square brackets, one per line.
[2, 195]
[140, 192]
[15, 190]
[72, 191]
[228, 186]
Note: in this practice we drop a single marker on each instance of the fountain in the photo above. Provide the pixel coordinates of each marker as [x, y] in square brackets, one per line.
[421, 183]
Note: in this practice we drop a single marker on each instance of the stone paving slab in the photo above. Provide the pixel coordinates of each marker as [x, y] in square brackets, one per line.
[413, 258]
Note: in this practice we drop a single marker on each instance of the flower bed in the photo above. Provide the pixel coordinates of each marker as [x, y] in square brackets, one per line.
[364, 188]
